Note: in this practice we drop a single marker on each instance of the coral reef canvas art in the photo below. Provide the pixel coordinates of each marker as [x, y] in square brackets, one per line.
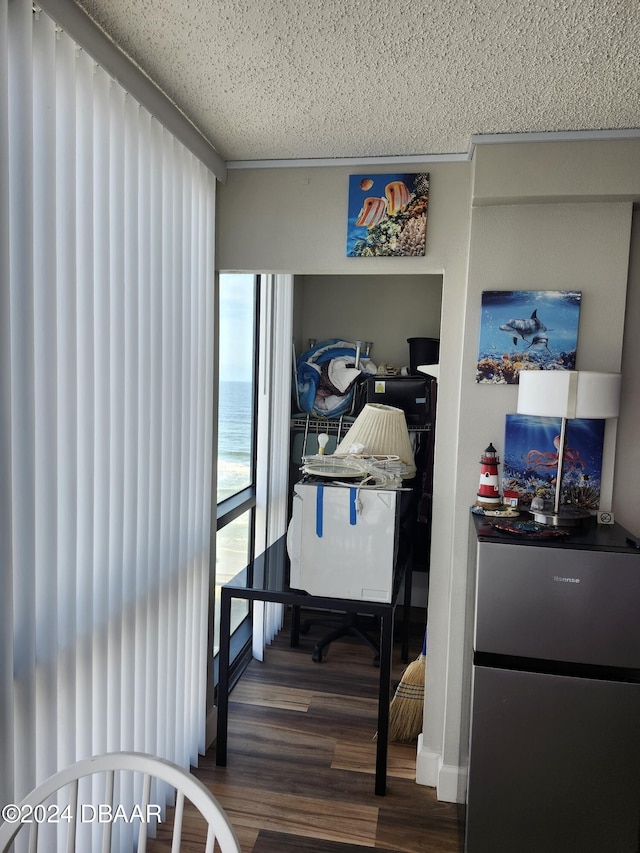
[387, 215]
[526, 330]
[530, 462]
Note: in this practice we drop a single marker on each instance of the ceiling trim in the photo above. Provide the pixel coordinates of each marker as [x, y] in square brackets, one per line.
[476, 139]
[399, 160]
[552, 136]
[85, 32]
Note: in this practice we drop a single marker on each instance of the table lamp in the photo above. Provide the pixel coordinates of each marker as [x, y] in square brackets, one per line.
[567, 394]
[380, 430]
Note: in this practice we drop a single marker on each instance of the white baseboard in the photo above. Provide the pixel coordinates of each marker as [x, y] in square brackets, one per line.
[427, 766]
[449, 780]
[452, 784]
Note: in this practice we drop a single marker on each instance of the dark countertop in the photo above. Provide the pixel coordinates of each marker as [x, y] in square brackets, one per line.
[589, 535]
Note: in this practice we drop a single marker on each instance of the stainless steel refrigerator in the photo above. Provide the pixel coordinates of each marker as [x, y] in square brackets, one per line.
[554, 755]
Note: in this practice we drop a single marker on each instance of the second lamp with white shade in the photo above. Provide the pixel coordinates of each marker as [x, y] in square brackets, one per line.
[567, 394]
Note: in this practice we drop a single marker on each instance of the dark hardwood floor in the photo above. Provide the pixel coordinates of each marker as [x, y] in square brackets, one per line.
[301, 759]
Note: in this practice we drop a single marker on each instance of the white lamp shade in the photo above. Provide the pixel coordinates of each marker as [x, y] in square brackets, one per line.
[380, 430]
[569, 394]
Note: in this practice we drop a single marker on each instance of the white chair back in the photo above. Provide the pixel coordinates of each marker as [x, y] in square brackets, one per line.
[186, 786]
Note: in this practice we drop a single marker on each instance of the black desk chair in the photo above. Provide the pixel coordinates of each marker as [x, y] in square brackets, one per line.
[351, 624]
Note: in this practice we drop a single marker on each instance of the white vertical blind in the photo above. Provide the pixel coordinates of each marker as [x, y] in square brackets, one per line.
[280, 404]
[106, 393]
[6, 527]
[274, 413]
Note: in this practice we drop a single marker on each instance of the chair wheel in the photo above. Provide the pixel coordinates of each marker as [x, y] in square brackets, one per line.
[316, 655]
[376, 661]
[305, 628]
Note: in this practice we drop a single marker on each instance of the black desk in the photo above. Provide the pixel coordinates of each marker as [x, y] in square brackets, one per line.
[270, 578]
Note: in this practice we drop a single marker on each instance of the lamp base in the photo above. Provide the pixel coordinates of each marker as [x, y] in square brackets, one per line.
[566, 516]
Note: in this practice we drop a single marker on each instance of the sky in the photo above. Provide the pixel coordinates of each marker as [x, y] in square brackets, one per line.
[237, 305]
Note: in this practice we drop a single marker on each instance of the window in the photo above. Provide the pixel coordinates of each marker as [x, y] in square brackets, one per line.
[236, 434]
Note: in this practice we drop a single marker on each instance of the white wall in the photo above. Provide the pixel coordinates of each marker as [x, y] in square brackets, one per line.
[384, 309]
[295, 220]
[557, 171]
[540, 220]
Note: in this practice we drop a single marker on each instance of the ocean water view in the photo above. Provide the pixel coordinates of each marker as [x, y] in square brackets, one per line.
[235, 438]
[237, 342]
[235, 433]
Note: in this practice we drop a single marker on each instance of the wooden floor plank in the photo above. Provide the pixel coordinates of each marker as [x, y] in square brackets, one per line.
[301, 759]
[272, 695]
[279, 842]
[361, 757]
[306, 816]
[436, 828]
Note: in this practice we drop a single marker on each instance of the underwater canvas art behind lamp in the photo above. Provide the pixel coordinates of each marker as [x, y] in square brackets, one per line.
[526, 330]
[387, 215]
[531, 459]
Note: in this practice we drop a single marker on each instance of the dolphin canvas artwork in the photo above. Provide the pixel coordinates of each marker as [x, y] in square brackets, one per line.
[526, 330]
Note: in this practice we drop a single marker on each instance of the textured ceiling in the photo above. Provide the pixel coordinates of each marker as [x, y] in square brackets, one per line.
[282, 79]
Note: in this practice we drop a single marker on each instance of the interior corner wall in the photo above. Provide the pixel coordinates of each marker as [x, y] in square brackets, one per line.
[519, 245]
[626, 499]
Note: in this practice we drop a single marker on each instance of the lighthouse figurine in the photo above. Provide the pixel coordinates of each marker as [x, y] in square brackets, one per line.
[488, 492]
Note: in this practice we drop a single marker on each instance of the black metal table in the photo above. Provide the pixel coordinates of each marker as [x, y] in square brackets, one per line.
[270, 583]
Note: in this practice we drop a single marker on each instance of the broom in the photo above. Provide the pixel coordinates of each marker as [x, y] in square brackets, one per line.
[406, 708]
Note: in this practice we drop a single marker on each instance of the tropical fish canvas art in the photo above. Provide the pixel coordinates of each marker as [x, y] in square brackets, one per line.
[387, 215]
[526, 330]
[530, 463]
